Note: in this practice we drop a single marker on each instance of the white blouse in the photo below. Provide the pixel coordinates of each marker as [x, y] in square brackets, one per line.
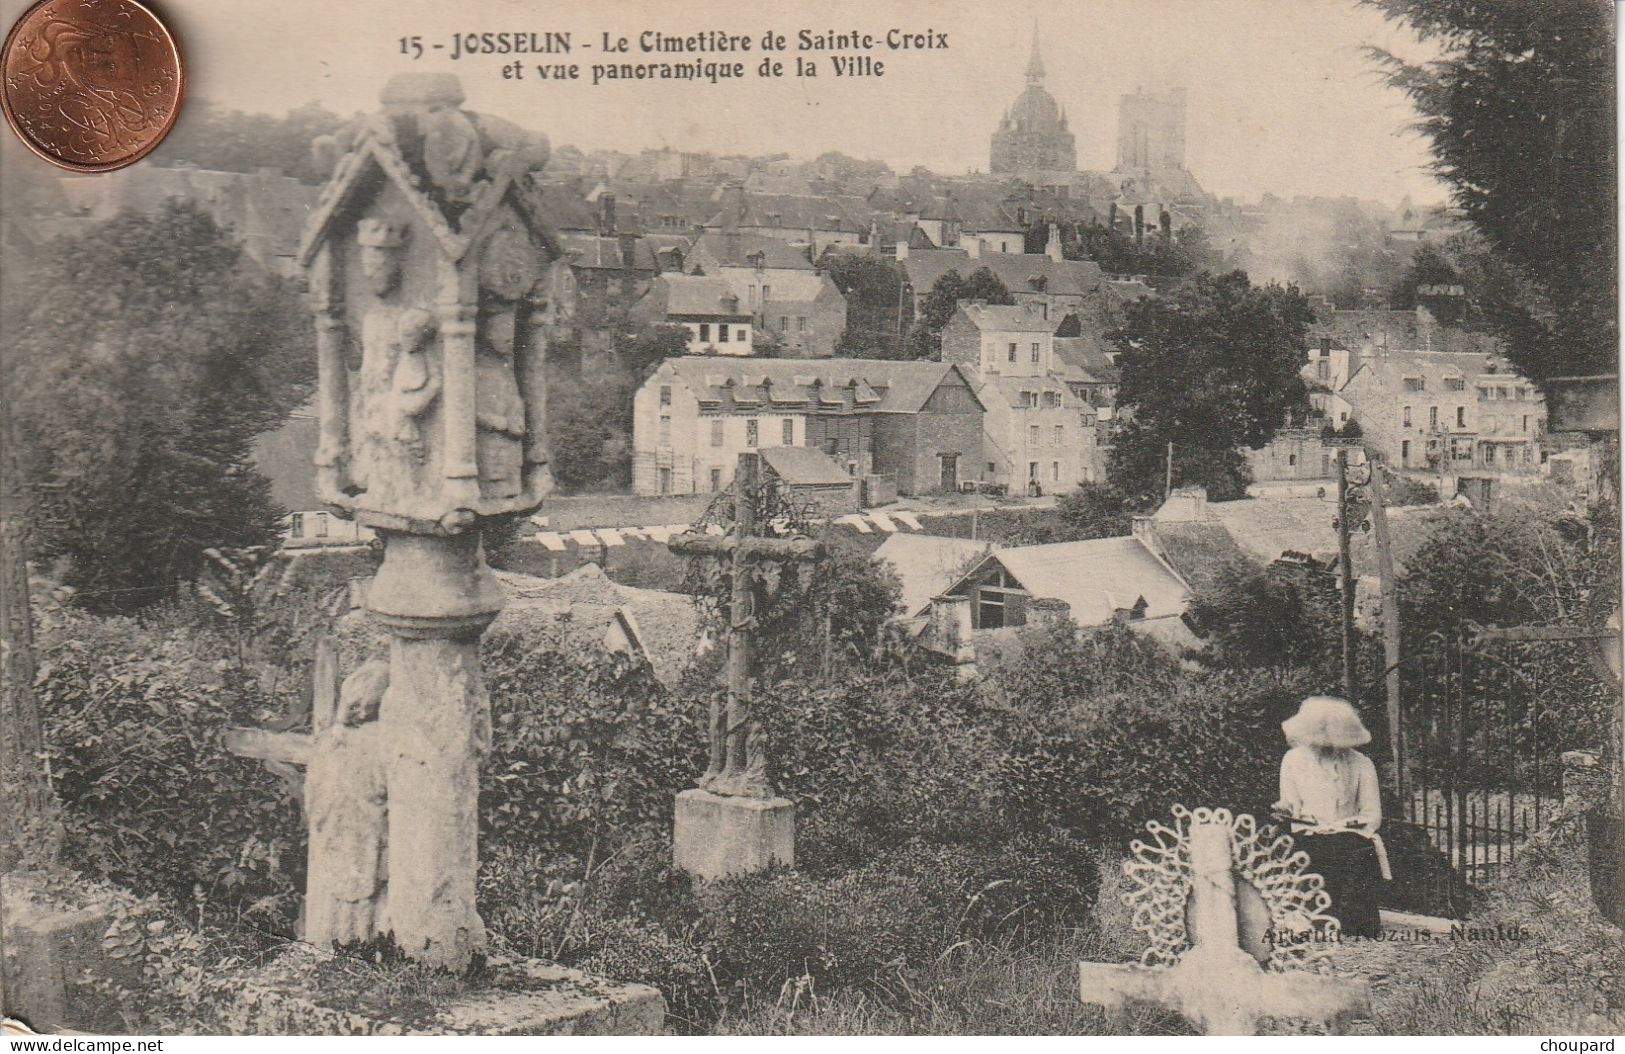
[1332, 788]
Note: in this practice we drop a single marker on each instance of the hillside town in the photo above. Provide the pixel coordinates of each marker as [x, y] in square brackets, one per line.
[572, 553]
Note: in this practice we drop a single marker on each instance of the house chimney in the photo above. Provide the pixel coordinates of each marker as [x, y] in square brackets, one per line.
[902, 248]
[972, 247]
[606, 215]
[949, 632]
[1047, 611]
[629, 251]
[1052, 248]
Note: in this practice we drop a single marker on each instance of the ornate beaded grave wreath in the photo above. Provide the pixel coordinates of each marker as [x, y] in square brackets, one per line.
[1264, 859]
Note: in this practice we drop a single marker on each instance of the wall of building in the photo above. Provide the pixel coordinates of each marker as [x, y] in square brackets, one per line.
[1294, 453]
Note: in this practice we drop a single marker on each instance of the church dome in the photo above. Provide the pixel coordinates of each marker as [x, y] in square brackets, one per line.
[1036, 110]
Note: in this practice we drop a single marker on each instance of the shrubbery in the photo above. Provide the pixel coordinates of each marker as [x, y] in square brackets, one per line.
[933, 813]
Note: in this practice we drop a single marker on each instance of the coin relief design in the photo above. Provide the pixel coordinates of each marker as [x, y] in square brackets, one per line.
[91, 85]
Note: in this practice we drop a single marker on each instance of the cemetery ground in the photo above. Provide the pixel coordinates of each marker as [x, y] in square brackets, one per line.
[958, 842]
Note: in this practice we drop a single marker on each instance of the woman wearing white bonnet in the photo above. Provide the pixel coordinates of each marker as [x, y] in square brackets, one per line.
[1329, 794]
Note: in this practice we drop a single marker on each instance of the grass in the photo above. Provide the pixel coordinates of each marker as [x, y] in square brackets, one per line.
[1559, 975]
[1002, 988]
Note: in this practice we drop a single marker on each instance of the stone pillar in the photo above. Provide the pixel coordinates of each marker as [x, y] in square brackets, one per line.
[436, 596]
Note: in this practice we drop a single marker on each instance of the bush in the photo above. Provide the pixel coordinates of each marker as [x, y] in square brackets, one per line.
[134, 717]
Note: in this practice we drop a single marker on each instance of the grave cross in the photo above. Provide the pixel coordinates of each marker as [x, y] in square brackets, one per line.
[1216, 984]
[738, 759]
[283, 750]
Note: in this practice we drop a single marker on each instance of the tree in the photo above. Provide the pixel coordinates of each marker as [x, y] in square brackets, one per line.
[1211, 367]
[1093, 510]
[232, 141]
[589, 432]
[876, 309]
[943, 300]
[1520, 109]
[647, 347]
[1275, 616]
[146, 360]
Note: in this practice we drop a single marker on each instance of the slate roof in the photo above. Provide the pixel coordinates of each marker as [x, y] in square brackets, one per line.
[790, 211]
[801, 466]
[774, 252]
[1087, 355]
[877, 385]
[1016, 318]
[927, 564]
[683, 294]
[578, 608]
[1200, 552]
[591, 251]
[1016, 270]
[1095, 577]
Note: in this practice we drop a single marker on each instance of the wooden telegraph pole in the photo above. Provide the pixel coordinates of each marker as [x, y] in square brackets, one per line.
[1345, 573]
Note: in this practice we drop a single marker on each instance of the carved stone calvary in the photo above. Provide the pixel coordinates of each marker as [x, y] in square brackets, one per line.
[734, 822]
[1233, 920]
[430, 273]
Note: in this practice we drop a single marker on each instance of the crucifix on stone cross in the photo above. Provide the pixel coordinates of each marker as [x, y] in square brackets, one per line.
[734, 822]
[283, 748]
[1217, 983]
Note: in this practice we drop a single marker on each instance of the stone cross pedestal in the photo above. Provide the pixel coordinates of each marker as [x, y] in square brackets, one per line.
[1217, 984]
[735, 822]
[431, 276]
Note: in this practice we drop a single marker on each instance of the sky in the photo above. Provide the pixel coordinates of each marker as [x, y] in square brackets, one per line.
[1281, 96]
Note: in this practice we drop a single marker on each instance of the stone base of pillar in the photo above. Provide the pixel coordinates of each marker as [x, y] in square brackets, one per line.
[719, 837]
[51, 950]
[513, 997]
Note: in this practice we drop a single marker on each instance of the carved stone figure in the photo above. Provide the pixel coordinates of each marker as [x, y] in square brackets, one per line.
[346, 816]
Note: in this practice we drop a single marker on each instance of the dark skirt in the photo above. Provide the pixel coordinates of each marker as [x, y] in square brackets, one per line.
[1348, 863]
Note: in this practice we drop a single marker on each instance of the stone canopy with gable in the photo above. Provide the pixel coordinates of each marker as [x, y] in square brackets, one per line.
[432, 276]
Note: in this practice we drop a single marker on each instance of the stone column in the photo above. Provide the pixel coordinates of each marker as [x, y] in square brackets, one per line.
[436, 596]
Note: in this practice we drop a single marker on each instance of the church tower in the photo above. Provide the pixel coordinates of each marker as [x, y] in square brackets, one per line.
[1033, 138]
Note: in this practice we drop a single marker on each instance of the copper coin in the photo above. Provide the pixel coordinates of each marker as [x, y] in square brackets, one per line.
[90, 85]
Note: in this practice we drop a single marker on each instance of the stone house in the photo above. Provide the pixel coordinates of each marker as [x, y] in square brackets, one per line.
[1447, 412]
[1057, 285]
[1035, 427]
[813, 480]
[785, 294]
[708, 308]
[919, 423]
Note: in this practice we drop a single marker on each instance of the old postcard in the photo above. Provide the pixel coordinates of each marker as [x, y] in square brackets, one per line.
[814, 518]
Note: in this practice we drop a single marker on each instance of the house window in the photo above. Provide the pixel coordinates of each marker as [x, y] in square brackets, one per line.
[716, 480]
[722, 334]
[1055, 471]
[716, 431]
[767, 293]
[1433, 417]
[1032, 435]
[1526, 422]
[784, 323]
[992, 469]
[1406, 422]
[296, 525]
[1292, 459]
[989, 609]
[1405, 452]
[1489, 454]
[1035, 351]
[801, 323]
[1461, 417]
[752, 432]
[1455, 384]
[321, 524]
[1325, 464]
[1060, 435]
[1012, 351]
[665, 395]
[1415, 384]
[665, 430]
[1323, 370]
[789, 431]
[1052, 399]
[705, 332]
[742, 335]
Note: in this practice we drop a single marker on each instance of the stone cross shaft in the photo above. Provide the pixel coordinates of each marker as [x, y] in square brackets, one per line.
[738, 758]
[1217, 985]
